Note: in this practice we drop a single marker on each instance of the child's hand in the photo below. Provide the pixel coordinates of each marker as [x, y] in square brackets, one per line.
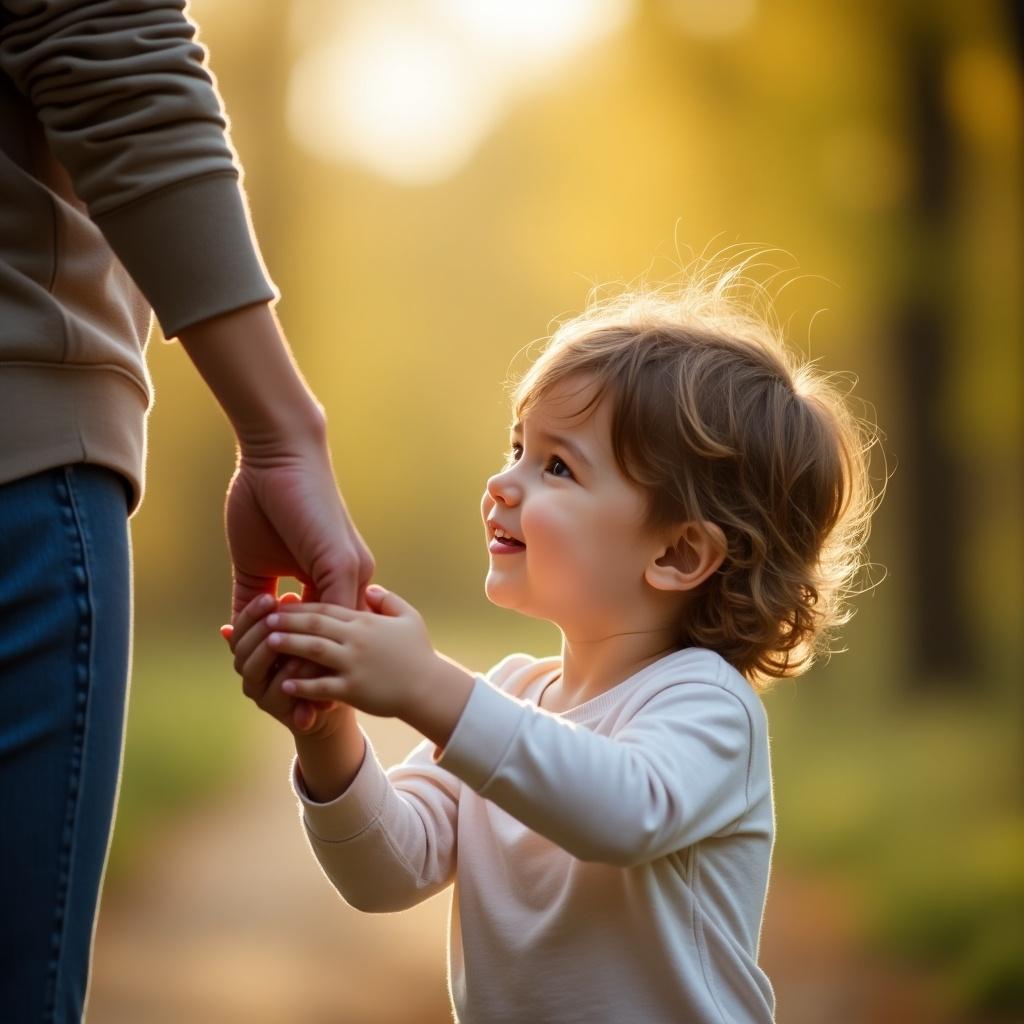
[376, 661]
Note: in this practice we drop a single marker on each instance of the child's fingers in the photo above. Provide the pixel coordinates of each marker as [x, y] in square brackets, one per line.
[310, 623]
[305, 714]
[317, 625]
[292, 668]
[319, 649]
[332, 611]
[334, 688]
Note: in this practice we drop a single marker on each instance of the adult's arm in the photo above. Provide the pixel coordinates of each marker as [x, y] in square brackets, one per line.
[130, 110]
[285, 516]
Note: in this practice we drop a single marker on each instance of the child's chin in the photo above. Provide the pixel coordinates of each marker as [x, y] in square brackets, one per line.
[500, 595]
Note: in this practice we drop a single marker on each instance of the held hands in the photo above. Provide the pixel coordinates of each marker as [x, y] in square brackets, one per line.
[301, 717]
[284, 513]
[380, 661]
[285, 517]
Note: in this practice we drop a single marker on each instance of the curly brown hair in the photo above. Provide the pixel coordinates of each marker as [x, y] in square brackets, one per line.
[716, 420]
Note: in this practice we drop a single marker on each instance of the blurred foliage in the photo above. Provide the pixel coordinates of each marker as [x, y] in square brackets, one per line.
[185, 741]
[407, 307]
[916, 805]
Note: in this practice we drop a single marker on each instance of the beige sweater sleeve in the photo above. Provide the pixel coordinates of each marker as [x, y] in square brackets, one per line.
[130, 110]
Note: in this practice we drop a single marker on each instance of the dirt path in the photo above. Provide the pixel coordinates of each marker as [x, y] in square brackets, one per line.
[230, 921]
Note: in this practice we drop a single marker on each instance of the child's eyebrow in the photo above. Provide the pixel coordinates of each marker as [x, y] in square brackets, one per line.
[562, 440]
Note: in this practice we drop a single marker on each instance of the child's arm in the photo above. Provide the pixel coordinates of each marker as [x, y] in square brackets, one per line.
[385, 843]
[381, 662]
[681, 769]
[332, 750]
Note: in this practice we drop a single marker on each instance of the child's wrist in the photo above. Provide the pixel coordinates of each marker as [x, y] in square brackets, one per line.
[330, 761]
[332, 727]
[437, 703]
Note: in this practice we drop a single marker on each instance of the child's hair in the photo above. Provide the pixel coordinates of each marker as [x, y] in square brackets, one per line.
[716, 420]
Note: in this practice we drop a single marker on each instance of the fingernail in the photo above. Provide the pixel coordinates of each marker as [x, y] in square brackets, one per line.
[274, 620]
[265, 601]
[289, 686]
[274, 638]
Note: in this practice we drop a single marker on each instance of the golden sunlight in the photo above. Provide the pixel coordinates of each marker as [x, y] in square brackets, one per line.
[409, 91]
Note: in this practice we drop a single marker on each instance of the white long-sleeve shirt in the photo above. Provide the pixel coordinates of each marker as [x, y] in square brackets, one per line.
[610, 863]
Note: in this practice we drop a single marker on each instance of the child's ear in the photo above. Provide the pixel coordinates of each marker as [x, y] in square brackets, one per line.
[695, 550]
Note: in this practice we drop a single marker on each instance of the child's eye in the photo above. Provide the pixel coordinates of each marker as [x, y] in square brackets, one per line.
[555, 461]
[511, 457]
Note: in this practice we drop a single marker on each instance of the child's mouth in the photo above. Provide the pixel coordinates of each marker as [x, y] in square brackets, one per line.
[505, 546]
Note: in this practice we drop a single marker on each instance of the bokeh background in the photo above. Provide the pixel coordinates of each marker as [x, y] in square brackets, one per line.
[434, 184]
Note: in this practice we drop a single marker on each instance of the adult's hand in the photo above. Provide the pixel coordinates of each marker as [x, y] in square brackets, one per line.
[284, 515]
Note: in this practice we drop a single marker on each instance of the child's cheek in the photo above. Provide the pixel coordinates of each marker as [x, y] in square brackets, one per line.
[556, 545]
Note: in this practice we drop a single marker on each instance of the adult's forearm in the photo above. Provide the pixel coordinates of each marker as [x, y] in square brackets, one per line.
[329, 764]
[245, 360]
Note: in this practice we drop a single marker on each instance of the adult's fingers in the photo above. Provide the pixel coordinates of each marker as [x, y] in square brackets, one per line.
[246, 587]
[257, 669]
[344, 578]
[248, 642]
[255, 610]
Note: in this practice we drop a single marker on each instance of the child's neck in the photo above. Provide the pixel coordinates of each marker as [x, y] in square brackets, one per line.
[591, 667]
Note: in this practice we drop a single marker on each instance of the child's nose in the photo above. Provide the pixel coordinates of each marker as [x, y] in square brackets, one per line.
[502, 487]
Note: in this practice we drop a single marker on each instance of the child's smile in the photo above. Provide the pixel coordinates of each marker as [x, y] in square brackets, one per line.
[502, 543]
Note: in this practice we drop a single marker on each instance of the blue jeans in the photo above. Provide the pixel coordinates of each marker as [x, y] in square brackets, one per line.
[65, 621]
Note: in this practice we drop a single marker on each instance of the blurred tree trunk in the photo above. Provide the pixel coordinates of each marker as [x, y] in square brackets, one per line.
[941, 639]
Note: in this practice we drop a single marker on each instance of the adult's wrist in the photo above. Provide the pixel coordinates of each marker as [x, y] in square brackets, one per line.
[244, 359]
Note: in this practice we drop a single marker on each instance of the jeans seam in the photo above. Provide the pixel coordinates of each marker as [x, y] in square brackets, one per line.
[75, 527]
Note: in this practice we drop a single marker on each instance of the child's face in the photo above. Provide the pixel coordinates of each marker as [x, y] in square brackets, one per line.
[582, 566]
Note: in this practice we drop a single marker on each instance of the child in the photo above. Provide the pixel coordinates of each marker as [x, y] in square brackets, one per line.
[688, 505]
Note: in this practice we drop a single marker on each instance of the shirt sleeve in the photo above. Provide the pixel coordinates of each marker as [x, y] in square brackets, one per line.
[130, 110]
[675, 773]
[388, 842]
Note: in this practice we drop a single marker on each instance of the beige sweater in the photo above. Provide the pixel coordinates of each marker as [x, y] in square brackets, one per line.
[610, 863]
[118, 193]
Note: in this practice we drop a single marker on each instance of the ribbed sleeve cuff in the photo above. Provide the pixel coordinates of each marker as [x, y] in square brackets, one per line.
[191, 250]
[482, 735]
[354, 811]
